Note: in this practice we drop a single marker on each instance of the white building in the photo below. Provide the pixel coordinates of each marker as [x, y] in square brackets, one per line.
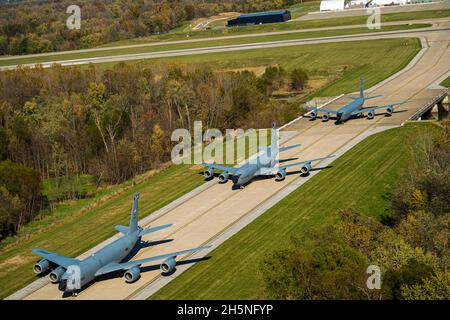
[332, 5]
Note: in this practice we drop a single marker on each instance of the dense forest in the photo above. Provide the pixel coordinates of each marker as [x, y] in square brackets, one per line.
[40, 26]
[113, 124]
[410, 247]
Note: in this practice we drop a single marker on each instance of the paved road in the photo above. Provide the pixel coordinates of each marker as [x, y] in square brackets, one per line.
[215, 212]
[441, 26]
[58, 57]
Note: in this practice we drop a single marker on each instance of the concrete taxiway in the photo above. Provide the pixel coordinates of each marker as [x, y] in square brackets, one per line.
[214, 212]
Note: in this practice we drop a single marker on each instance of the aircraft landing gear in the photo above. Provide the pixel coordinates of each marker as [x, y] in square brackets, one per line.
[75, 293]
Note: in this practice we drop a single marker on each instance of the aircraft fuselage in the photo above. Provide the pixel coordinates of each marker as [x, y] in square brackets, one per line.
[76, 276]
[346, 111]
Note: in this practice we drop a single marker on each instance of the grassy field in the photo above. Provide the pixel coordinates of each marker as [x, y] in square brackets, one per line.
[79, 225]
[362, 178]
[284, 26]
[337, 66]
[446, 83]
[192, 45]
[300, 9]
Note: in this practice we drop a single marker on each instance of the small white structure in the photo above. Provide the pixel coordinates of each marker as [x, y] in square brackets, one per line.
[332, 5]
[386, 2]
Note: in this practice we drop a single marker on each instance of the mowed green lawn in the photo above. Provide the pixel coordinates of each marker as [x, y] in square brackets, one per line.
[85, 227]
[341, 61]
[446, 83]
[362, 178]
[203, 44]
[283, 26]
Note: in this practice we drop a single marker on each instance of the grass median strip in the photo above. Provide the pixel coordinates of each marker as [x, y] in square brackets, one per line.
[204, 44]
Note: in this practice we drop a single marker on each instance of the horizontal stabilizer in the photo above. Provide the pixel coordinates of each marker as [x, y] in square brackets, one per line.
[154, 229]
[122, 229]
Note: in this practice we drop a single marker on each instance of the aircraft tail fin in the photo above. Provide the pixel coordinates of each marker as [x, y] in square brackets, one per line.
[361, 87]
[134, 214]
[274, 141]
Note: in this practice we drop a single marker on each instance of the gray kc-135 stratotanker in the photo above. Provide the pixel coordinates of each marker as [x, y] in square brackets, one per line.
[73, 274]
[266, 164]
[353, 109]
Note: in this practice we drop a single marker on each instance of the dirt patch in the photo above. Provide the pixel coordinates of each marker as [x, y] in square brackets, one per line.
[208, 20]
[14, 261]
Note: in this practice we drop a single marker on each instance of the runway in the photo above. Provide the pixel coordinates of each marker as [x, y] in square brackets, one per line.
[206, 216]
[437, 27]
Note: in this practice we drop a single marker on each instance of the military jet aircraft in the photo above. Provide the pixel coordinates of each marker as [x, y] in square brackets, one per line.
[266, 164]
[353, 109]
[73, 274]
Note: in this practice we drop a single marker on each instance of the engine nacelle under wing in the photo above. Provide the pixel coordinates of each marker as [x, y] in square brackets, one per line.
[56, 274]
[389, 110]
[371, 114]
[306, 168]
[280, 175]
[208, 173]
[326, 116]
[132, 274]
[168, 265]
[41, 266]
[224, 177]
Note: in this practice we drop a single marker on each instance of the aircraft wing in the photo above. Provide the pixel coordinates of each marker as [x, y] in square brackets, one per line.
[58, 259]
[218, 166]
[111, 267]
[367, 109]
[274, 170]
[303, 162]
[321, 110]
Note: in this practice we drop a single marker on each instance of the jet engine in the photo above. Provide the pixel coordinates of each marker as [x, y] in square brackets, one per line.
[223, 177]
[132, 274]
[371, 114]
[168, 265]
[389, 110]
[326, 116]
[313, 115]
[208, 173]
[41, 266]
[306, 168]
[56, 274]
[280, 175]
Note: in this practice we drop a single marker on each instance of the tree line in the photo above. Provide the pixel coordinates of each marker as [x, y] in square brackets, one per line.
[40, 26]
[410, 247]
[113, 124]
